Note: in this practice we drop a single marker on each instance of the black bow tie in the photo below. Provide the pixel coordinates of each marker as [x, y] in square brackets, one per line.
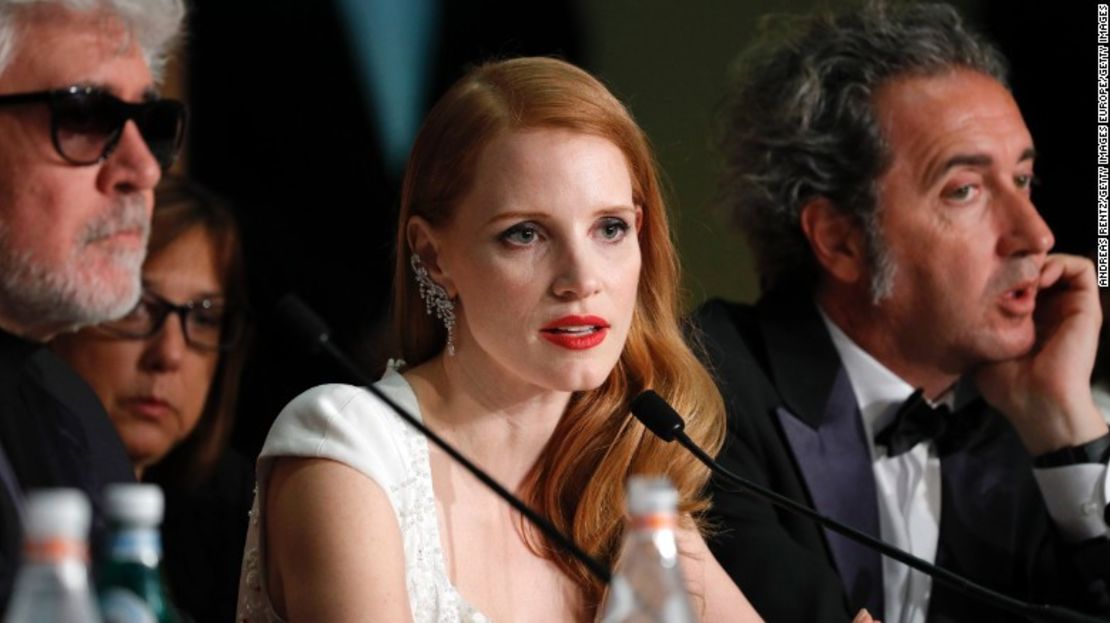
[917, 421]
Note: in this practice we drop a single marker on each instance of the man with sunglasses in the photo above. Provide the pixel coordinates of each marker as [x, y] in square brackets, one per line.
[83, 141]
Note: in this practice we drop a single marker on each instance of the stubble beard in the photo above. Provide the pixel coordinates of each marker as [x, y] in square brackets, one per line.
[96, 282]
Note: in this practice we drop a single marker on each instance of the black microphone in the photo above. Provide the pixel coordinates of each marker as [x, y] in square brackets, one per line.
[308, 328]
[665, 423]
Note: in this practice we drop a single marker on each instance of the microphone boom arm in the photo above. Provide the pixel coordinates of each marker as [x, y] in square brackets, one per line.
[1040, 612]
[662, 420]
[541, 522]
[311, 329]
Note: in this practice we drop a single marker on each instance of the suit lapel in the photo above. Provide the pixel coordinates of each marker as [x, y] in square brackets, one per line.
[980, 534]
[821, 424]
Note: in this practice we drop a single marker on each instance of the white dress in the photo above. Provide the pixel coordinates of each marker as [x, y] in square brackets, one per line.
[350, 425]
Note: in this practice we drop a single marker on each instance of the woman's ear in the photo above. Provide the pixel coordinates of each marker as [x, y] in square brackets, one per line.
[425, 242]
[837, 240]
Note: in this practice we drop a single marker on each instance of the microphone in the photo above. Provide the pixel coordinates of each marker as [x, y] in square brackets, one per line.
[665, 423]
[311, 330]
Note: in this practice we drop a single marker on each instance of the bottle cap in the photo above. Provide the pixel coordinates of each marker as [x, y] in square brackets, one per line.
[650, 494]
[134, 504]
[56, 513]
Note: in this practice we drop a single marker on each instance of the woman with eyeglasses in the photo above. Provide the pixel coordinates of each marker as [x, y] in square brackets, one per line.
[167, 373]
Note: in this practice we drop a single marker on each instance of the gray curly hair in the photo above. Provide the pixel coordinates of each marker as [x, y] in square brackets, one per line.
[154, 24]
[801, 123]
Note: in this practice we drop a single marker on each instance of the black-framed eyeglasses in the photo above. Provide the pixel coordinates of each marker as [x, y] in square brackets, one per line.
[86, 122]
[206, 323]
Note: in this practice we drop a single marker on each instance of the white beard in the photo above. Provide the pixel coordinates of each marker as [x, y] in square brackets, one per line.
[91, 286]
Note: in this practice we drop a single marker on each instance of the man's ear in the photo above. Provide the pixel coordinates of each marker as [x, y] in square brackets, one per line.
[837, 240]
[426, 242]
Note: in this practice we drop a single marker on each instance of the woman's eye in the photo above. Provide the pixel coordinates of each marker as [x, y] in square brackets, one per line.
[521, 234]
[612, 228]
[211, 317]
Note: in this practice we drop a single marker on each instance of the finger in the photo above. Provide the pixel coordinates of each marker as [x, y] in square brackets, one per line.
[1070, 271]
[1050, 273]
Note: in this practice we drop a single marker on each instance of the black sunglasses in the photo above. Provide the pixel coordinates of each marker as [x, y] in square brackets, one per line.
[207, 324]
[86, 122]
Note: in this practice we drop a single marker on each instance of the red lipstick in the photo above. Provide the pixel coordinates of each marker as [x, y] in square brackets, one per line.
[576, 332]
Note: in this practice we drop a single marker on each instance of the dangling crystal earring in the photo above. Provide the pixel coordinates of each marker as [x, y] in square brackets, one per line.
[435, 299]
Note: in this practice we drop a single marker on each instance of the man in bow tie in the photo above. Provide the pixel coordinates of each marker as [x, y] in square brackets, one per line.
[882, 171]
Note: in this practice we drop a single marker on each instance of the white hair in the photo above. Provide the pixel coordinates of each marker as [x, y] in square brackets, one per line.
[154, 24]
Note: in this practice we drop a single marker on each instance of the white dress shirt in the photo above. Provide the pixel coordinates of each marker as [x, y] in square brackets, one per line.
[909, 485]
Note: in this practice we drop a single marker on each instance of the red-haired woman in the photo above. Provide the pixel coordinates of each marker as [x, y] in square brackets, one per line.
[533, 231]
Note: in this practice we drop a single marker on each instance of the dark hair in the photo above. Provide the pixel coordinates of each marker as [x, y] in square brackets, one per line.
[801, 122]
[181, 205]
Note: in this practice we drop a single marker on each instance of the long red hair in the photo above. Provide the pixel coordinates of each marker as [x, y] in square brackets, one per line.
[578, 479]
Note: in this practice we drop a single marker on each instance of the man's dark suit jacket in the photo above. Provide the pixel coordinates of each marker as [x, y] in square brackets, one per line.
[794, 426]
[53, 433]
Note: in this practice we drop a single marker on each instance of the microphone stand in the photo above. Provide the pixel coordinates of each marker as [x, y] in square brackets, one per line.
[305, 324]
[648, 408]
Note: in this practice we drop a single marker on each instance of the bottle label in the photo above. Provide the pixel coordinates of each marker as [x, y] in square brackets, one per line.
[56, 549]
[119, 605]
[654, 521]
[135, 544]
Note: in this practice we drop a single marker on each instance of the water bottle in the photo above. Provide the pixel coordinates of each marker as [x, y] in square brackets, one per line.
[647, 583]
[129, 578]
[52, 585]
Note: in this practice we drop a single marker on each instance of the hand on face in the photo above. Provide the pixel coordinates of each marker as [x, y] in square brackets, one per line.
[1046, 392]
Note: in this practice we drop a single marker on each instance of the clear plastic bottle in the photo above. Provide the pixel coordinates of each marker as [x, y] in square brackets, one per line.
[129, 578]
[52, 586]
[647, 582]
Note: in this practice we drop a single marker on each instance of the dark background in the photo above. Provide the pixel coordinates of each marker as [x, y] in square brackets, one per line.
[280, 125]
